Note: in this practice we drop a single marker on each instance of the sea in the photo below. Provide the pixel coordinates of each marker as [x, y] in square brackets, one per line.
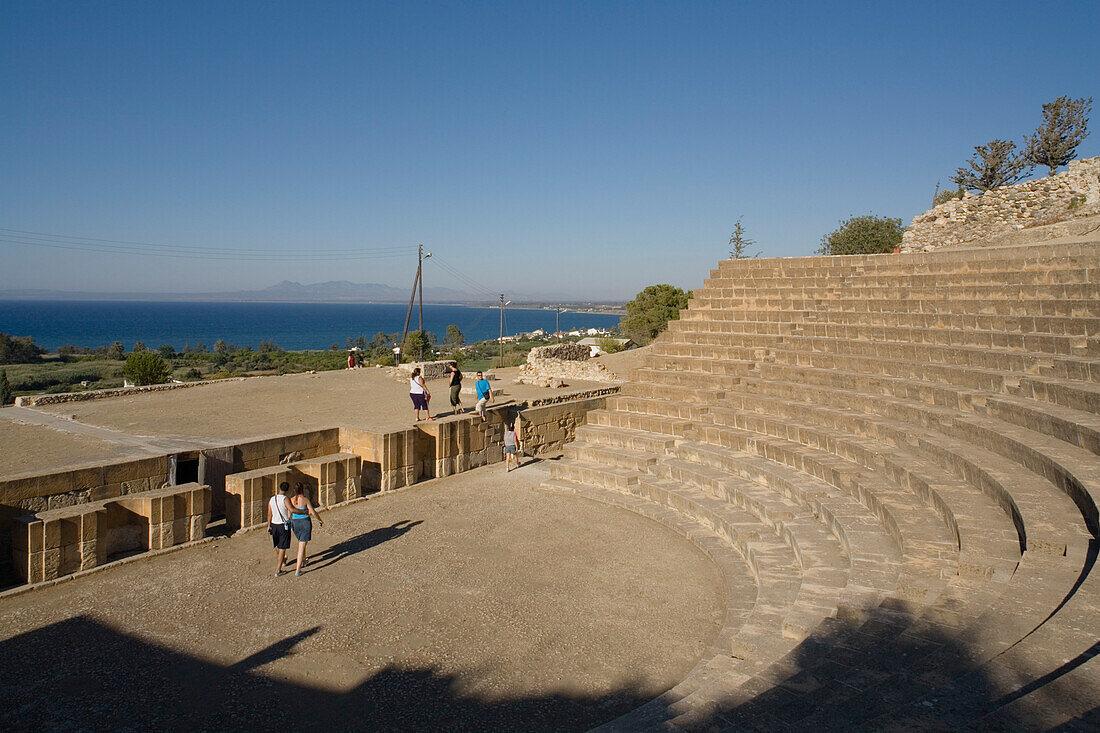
[293, 326]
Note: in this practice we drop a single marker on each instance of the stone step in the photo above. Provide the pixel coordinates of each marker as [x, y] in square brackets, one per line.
[782, 322]
[603, 455]
[1018, 506]
[654, 444]
[812, 335]
[639, 422]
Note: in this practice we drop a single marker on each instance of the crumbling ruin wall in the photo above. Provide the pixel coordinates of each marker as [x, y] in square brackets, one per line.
[976, 218]
[561, 363]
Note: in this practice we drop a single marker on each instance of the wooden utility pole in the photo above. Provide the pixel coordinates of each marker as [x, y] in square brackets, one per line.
[418, 287]
[502, 330]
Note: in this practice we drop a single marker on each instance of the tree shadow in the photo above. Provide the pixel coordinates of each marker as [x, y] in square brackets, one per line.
[359, 543]
[80, 674]
[896, 672]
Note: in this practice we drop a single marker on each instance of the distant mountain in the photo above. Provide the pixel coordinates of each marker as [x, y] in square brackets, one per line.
[287, 291]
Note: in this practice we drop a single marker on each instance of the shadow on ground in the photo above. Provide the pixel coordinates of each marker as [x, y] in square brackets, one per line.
[80, 674]
[361, 543]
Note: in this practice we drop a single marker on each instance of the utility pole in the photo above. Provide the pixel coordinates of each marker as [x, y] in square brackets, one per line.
[418, 286]
[502, 330]
[420, 278]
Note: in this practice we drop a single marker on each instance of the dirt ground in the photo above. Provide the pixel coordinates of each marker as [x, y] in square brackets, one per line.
[238, 410]
[475, 602]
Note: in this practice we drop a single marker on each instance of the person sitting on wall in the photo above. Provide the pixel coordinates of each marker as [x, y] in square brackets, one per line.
[484, 394]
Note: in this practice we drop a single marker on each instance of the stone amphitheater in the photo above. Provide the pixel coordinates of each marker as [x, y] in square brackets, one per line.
[891, 461]
[902, 452]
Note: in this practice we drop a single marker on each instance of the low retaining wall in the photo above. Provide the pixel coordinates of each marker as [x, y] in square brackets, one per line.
[35, 400]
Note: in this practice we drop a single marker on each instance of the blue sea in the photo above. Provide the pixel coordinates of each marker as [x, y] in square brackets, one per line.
[290, 325]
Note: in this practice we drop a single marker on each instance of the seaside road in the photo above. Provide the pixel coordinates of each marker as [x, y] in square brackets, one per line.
[472, 602]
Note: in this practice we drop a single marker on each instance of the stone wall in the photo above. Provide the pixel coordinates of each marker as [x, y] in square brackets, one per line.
[343, 463]
[428, 369]
[977, 218]
[561, 363]
[34, 400]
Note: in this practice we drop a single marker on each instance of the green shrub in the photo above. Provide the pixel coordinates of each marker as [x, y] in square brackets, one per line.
[863, 235]
[146, 367]
[651, 310]
[609, 345]
[5, 388]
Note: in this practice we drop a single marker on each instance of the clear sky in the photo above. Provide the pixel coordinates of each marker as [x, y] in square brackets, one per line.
[550, 149]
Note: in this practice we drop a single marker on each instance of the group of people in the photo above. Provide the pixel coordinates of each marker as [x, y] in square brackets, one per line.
[288, 513]
[421, 395]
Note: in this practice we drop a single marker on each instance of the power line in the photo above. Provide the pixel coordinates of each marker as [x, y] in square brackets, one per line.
[175, 248]
[463, 279]
[209, 253]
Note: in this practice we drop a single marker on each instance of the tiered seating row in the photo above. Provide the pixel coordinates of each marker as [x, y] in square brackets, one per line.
[917, 436]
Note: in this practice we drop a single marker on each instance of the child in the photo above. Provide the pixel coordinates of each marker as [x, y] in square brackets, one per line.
[511, 446]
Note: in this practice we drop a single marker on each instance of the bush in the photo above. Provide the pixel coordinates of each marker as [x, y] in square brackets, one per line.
[609, 345]
[116, 351]
[863, 235]
[651, 310]
[145, 367]
[19, 350]
[5, 388]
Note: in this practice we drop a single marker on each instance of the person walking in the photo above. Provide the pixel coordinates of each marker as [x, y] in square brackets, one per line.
[419, 393]
[484, 394]
[301, 509]
[511, 446]
[278, 521]
[456, 386]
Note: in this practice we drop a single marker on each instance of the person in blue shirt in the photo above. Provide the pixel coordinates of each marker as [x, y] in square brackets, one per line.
[484, 394]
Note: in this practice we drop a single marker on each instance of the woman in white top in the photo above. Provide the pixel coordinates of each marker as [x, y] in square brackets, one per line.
[278, 521]
[419, 393]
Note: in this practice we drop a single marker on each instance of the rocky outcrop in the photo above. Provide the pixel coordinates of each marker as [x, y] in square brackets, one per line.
[978, 219]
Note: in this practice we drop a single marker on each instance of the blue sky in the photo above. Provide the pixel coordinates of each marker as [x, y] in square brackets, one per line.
[551, 149]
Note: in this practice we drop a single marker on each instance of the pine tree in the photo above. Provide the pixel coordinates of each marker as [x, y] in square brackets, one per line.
[1065, 126]
[5, 388]
[992, 166]
[739, 243]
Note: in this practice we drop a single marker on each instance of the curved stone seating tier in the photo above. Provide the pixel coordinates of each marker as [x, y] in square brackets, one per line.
[905, 451]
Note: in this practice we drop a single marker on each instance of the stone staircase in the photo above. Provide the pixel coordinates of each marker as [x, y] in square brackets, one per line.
[902, 452]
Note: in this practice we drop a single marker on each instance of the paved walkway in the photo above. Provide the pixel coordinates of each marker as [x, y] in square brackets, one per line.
[471, 602]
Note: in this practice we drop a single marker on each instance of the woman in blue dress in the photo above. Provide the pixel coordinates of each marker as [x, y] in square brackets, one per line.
[301, 509]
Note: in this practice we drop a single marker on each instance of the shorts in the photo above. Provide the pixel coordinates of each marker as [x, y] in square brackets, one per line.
[280, 536]
[420, 401]
[509, 450]
[303, 528]
[456, 394]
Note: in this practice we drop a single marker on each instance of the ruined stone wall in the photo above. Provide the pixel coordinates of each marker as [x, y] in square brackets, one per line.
[563, 362]
[428, 369]
[977, 218]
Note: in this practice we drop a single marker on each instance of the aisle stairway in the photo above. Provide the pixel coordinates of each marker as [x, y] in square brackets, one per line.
[903, 450]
